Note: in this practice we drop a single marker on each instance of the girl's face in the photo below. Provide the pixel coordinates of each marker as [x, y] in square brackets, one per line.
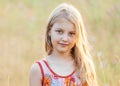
[63, 36]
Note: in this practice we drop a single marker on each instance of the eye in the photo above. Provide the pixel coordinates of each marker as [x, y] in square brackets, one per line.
[59, 31]
[72, 33]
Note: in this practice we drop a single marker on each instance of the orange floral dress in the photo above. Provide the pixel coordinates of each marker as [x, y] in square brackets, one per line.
[50, 78]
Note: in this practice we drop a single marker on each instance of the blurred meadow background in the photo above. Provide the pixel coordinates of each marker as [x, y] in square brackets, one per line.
[22, 33]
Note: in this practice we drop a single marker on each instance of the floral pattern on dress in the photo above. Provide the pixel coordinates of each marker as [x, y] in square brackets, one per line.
[70, 81]
[47, 80]
[50, 80]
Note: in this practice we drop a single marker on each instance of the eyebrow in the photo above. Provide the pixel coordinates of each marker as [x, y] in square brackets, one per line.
[59, 28]
[62, 29]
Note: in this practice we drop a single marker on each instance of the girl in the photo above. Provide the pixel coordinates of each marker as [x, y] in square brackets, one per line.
[68, 61]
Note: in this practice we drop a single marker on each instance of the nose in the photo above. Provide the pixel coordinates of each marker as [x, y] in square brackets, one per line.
[64, 37]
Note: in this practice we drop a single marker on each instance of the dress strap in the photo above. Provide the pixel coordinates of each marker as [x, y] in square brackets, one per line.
[41, 68]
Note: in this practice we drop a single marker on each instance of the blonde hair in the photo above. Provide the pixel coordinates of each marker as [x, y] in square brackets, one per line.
[84, 65]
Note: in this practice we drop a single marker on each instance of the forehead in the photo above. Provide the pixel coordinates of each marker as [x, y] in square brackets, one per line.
[62, 23]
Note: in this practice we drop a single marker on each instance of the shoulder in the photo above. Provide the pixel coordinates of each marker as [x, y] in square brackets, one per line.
[35, 72]
[35, 69]
[35, 75]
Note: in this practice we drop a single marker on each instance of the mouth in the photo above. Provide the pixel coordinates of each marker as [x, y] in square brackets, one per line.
[63, 44]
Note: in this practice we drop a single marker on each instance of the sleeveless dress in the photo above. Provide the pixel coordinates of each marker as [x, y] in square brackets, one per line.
[50, 78]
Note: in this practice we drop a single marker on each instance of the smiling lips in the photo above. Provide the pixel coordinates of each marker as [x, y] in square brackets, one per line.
[63, 44]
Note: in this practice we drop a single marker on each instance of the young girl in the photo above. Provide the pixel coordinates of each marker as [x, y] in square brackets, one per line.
[68, 61]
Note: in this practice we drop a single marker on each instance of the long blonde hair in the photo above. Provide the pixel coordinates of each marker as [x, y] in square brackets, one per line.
[84, 65]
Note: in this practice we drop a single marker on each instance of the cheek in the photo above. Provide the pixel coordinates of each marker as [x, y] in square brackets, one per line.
[73, 40]
[54, 38]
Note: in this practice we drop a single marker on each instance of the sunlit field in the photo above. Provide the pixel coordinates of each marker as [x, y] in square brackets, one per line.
[22, 33]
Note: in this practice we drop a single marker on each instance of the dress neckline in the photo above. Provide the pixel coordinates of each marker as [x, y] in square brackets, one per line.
[56, 73]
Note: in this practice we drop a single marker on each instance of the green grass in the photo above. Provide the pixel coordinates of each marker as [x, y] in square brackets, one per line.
[22, 30]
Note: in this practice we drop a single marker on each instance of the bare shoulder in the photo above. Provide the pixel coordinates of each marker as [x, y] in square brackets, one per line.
[35, 75]
[35, 69]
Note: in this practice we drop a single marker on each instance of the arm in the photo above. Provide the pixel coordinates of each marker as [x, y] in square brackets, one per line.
[35, 78]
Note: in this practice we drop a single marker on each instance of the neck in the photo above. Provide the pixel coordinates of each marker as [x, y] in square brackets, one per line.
[61, 55]
[60, 59]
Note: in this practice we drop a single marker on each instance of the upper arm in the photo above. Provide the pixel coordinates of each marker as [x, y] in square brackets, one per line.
[35, 78]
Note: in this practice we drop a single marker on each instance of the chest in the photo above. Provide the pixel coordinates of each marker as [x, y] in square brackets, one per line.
[58, 77]
[51, 80]
[64, 69]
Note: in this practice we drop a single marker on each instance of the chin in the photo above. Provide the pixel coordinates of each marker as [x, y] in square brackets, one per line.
[63, 51]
